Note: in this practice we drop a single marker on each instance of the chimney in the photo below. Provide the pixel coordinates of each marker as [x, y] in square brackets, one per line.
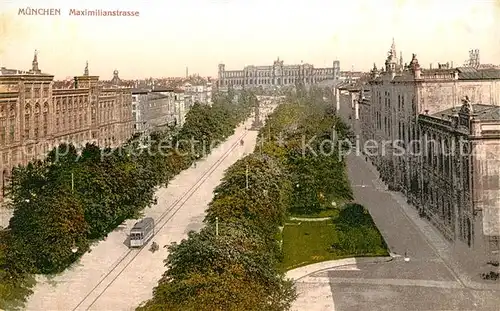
[451, 64]
[430, 66]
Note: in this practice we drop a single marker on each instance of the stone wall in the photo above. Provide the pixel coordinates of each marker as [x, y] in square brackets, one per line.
[438, 96]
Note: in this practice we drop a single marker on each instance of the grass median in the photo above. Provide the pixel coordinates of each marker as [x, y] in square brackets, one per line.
[350, 232]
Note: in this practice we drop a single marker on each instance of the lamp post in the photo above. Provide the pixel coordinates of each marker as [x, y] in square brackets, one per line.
[216, 226]
[74, 248]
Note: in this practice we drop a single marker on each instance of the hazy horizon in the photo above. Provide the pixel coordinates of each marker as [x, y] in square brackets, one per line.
[169, 36]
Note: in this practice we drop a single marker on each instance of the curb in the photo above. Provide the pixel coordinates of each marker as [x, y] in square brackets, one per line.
[311, 219]
[301, 272]
[455, 268]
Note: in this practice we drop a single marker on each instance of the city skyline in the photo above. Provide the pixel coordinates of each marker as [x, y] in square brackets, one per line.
[165, 39]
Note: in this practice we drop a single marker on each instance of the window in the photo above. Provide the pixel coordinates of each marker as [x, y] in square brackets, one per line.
[27, 120]
[494, 243]
[2, 132]
[12, 129]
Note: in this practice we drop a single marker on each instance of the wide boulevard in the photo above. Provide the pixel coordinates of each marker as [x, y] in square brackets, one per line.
[113, 277]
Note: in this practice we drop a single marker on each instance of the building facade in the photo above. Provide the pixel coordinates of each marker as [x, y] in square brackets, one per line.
[157, 108]
[437, 138]
[35, 117]
[139, 104]
[276, 75]
[201, 93]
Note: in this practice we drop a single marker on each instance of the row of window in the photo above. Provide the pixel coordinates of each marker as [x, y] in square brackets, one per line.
[277, 81]
[37, 91]
[277, 73]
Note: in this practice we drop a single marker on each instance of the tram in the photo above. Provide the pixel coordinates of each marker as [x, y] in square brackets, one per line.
[142, 232]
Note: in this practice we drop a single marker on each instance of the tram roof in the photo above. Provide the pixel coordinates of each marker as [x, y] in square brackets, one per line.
[143, 223]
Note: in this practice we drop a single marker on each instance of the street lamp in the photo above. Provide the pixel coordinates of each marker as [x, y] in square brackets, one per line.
[406, 258]
[74, 248]
[217, 226]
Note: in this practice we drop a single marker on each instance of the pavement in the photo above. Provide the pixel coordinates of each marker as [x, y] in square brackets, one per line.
[429, 278]
[113, 277]
[5, 215]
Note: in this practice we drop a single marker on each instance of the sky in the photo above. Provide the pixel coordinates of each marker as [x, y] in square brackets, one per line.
[170, 35]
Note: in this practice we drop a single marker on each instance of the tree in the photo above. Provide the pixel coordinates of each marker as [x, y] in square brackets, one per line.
[262, 204]
[45, 235]
[15, 284]
[231, 271]
[67, 199]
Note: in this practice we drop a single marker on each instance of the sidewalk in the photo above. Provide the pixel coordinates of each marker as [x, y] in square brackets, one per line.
[5, 215]
[442, 247]
[301, 272]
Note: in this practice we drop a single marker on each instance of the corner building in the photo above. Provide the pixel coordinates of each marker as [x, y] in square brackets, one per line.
[35, 117]
[437, 133]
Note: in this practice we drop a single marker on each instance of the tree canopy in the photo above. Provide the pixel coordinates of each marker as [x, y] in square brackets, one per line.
[63, 202]
[232, 263]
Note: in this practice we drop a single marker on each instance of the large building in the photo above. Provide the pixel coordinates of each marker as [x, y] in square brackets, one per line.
[157, 108]
[437, 138]
[35, 117]
[276, 75]
[198, 93]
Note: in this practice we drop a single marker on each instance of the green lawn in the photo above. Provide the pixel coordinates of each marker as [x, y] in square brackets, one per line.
[307, 242]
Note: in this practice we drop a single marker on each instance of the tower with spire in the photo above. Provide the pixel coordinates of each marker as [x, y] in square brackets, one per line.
[392, 61]
[116, 81]
[34, 64]
[85, 80]
[374, 73]
[401, 63]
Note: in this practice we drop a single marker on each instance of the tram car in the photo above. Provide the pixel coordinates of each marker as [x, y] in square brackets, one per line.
[142, 232]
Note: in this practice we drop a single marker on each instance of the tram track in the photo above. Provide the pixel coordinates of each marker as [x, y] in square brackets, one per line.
[159, 225]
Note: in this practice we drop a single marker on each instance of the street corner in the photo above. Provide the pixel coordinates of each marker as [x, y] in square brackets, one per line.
[332, 265]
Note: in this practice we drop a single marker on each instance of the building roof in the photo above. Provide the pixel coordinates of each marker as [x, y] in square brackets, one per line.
[351, 86]
[140, 91]
[480, 112]
[163, 89]
[471, 73]
[7, 71]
